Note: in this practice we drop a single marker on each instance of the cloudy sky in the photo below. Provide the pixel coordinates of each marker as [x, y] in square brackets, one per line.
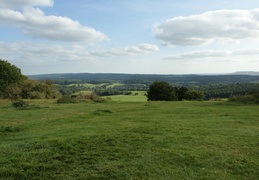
[130, 36]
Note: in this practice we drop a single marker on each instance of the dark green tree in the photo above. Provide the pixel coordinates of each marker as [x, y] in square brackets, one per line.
[10, 78]
[181, 93]
[161, 91]
[194, 95]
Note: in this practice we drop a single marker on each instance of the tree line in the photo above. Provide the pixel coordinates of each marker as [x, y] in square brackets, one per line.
[163, 91]
[14, 85]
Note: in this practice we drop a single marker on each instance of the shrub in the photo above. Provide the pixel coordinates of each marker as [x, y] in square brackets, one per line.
[20, 104]
[252, 97]
[194, 95]
[66, 100]
[161, 91]
[92, 97]
[247, 98]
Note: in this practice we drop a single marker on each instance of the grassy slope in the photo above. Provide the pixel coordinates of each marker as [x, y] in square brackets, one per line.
[129, 140]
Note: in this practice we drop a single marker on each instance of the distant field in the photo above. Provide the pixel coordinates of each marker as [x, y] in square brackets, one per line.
[114, 84]
[129, 140]
[88, 85]
[140, 97]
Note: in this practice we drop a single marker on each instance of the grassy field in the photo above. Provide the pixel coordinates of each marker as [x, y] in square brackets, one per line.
[129, 140]
[136, 98]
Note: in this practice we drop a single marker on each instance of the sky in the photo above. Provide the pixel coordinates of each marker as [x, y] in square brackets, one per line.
[130, 36]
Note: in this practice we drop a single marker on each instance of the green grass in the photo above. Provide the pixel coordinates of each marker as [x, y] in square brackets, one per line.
[135, 98]
[129, 140]
[83, 92]
[114, 84]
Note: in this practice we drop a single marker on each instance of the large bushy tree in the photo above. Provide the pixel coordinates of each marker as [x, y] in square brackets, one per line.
[10, 77]
[161, 91]
[14, 85]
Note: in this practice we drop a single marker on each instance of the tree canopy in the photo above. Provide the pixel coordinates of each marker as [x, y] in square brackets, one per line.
[10, 76]
[14, 85]
[162, 91]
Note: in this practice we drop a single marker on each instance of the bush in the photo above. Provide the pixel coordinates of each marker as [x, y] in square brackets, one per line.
[66, 100]
[92, 97]
[247, 98]
[194, 95]
[251, 97]
[161, 91]
[81, 98]
[20, 104]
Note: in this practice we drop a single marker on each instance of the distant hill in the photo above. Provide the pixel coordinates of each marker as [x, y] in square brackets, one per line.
[252, 73]
[185, 80]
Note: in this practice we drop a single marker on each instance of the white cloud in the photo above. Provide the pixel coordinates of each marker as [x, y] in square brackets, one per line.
[35, 58]
[127, 51]
[35, 24]
[212, 54]
[24, 3]
[31, 52]
[224, 25]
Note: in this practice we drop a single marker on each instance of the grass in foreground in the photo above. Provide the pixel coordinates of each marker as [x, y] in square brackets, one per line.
[129, 140]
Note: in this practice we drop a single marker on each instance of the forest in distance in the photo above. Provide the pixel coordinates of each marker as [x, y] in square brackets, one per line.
[213, 86]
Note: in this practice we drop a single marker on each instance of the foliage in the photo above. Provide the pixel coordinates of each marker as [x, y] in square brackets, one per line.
[161, 91]
[81, 98]
[10, 79]
[20, 104]
[194, 95]
[32, 89]
[14, 85]
[66, 100]
[251, 97]
[225, 90]
[180, 80]
[181, 93]
[93, 97]
[211, 91]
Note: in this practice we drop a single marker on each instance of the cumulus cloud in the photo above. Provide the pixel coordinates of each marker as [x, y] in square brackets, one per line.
[212, 54]
[35, 24]
[42, 52]
[39, 52]
[24, 3]
[127, 51]
[204, 28]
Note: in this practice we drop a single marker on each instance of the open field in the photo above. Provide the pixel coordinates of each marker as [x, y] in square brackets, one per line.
[129, 140]
[140, 97]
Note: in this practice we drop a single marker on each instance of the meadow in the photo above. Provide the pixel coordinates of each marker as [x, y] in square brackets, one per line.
[129, 140]
[137, 96]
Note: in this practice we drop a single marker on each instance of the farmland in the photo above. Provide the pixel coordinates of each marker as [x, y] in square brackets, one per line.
[129, 140]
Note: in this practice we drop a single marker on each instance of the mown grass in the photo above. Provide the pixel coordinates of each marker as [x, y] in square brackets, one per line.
[129, 140]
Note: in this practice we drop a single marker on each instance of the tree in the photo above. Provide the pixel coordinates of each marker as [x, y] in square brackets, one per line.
[181, 93]
[161, 91]
[11, 76]
[14, 85]
[194, 95]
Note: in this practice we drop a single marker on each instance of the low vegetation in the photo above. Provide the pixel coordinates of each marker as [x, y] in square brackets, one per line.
[251, 97]
[162, 91]
[77, 136]
[129, 140]
[14, 85]
[82, 98]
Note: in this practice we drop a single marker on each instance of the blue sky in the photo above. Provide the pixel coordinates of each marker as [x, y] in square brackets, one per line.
[130, 36]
